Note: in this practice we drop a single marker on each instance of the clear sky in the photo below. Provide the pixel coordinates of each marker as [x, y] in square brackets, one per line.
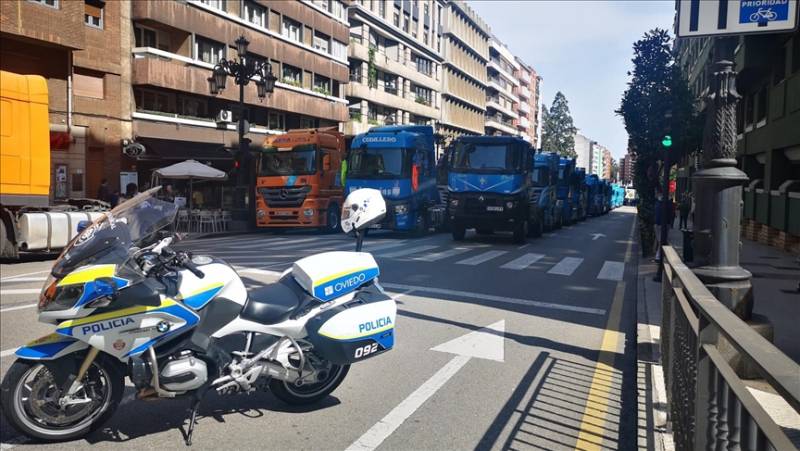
[581, 48]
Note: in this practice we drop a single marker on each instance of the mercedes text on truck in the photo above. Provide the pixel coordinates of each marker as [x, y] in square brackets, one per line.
[28, 222]
[489, 183]
[400, 162]
[298, 182]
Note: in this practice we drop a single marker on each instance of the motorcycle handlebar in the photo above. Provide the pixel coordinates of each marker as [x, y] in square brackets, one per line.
[186, 262]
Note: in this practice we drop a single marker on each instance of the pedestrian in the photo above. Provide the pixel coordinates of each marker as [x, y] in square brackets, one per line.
[169, 194]
[104, 191]
[685, 208]
[113, 198]
[131, 189]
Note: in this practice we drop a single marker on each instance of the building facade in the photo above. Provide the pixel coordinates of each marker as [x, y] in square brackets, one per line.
[528, 111]
[82, 49]
[626, 169]
[465, 51]
[395, 64]
[608, 165]
[502, 101]
[584, 148]
[768, 79]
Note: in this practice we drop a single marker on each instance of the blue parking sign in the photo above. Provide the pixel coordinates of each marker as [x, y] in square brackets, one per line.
[763, 11]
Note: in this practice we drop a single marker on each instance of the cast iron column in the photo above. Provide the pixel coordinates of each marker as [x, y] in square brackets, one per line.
[718, 194]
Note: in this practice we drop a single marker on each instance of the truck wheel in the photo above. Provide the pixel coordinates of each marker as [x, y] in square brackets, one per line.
[421, 224]
[521, 232]
[7, 247]
[459, 231]
[332, 219]
[535, 230]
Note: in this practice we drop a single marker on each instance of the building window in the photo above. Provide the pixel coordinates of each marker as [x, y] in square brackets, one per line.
[216, 4]
[424, 66]
[338, 49]
[372, 114]
[93, 13]
[406, 20]
[50, 3]
[761, 106]
[390, 83]
[193, 107]
[396, 18]
[147, 100]
[423, 95]
[426, 13]
[145, 37]
[308, 122]
[382, 9]
[255, 14]
[322, 84]
[338, 10]
[355, 71]
[322, 42]
[208, 51]
[292, 29]
[414, 28]
[780, 66]
[88, 84]
[276, 121]
[292, 75]
[425, 36]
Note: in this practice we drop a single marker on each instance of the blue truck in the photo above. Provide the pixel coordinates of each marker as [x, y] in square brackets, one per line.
[400, 162]
[489, 187]
[582, 206]
[566, 190]
[544, 178]
[594, 195]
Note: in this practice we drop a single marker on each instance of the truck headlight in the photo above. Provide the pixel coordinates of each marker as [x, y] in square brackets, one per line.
[308, 212]
[454, 202]
[510, 204]
[401, 209]
[261, 213]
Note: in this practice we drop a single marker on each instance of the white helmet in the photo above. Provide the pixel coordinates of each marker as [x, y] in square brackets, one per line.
[362, 208]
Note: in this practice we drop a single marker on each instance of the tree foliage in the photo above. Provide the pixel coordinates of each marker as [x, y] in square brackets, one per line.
[657, 102]
[558, 130]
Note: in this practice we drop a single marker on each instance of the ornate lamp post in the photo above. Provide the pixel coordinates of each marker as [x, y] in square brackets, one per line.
[243, 70]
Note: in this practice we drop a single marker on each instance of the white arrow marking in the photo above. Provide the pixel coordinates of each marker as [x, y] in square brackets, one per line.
[486, 343]
[598, 235]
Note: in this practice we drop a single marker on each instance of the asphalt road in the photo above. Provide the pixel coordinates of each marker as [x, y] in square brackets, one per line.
[498, 346]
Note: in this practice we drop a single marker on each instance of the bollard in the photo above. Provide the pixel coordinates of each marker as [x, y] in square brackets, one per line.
[688, 251]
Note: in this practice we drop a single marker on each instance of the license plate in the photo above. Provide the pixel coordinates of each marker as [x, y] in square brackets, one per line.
[283, 213]
[493, 208]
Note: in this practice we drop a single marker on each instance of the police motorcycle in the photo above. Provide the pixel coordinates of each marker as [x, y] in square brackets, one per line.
[125, 304]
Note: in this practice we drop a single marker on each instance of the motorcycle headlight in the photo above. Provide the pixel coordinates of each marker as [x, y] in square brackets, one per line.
[401, 209]
[48, 293]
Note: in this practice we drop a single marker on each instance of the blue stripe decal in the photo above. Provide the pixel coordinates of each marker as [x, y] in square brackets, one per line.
[199, 300]
[43, 351]
[177, 310]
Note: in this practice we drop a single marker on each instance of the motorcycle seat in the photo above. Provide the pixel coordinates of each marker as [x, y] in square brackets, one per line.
[273, 303]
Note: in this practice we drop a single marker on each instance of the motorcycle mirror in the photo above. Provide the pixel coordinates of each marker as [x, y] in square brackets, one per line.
[82, 225]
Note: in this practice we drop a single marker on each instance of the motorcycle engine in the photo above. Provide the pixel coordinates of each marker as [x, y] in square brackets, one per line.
[183, 372]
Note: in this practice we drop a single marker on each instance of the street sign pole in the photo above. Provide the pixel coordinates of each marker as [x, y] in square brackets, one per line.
[666, 205]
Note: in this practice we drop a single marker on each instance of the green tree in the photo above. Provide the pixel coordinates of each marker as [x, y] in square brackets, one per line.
[558, 130]
[657, 102]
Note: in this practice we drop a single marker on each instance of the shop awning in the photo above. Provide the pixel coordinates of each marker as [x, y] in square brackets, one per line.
[191, 169]
[172, 149]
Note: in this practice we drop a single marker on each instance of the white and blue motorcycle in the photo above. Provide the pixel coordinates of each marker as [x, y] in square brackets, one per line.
[125, 304]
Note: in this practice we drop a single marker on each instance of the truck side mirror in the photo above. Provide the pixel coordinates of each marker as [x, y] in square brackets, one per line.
[326, 162]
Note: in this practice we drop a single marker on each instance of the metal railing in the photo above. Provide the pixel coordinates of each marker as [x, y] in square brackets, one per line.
[709, 405]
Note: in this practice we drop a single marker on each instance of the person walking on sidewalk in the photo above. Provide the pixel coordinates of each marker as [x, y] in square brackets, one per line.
[685, 208]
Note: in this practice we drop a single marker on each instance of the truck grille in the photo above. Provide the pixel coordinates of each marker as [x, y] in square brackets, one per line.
[285, 196]
[474, 206]
[536, 194]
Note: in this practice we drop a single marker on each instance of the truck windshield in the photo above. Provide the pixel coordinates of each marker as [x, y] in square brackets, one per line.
[299, 160]
[470, 157]
[540, 177]
[379, 163]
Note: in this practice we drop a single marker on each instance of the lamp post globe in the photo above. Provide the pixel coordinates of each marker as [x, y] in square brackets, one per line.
[220, 78]
[241, 46]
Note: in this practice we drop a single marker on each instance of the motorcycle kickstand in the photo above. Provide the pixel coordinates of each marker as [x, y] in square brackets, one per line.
[193, 418]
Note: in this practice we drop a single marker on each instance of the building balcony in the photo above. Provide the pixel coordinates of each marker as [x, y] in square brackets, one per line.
[494, 102]
[154, 67]
[495, 64]
[384, 98]
[524, 107]
[383, 62]
[523, 92]
[524, 123]
[497, 123]
[524, 77]
[498, 84]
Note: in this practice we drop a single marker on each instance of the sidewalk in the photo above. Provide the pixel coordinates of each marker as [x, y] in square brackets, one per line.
[775, 278]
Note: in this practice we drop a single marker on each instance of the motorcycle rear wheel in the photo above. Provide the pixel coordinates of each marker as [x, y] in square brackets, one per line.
[291, 394]
[29, 399]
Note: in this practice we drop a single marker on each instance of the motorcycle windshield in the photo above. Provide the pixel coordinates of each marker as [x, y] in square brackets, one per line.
[113, 237]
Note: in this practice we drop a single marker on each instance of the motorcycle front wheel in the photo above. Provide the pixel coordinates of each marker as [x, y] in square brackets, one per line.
[309, 393]
[30, 399]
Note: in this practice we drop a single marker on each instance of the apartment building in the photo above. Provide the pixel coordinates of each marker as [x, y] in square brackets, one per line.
[395, 63]
[528, 93]
[626, 169]
[608, 165]
[465, 49]
[175, 46]
[597, 162]
[502, 101]
[584, 148]
[82, 49]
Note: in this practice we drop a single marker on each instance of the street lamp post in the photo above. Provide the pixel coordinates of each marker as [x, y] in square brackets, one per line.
[666, 206]
[243, 70]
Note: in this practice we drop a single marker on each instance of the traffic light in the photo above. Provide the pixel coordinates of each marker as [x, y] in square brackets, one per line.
[666, 141]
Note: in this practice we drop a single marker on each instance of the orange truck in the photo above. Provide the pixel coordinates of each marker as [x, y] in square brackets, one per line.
[298, 181]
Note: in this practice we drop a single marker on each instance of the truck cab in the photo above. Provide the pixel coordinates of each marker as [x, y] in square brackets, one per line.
[566, 191]
[594, 195]
[400, 162]
[581, 194]
[489, 186]
[298, 182]
[544, 177]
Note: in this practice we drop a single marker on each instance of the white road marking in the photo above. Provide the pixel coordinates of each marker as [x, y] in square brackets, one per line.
[21, 291]
[566, 266]
[407, 251]
[25, 279]
[480, 258]
[442, 255]
[23, 275]
[595, 236]
[523, 262]
[501, 299]
[482, 344]
[368, 247]
[17, 307]
[612, 271]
